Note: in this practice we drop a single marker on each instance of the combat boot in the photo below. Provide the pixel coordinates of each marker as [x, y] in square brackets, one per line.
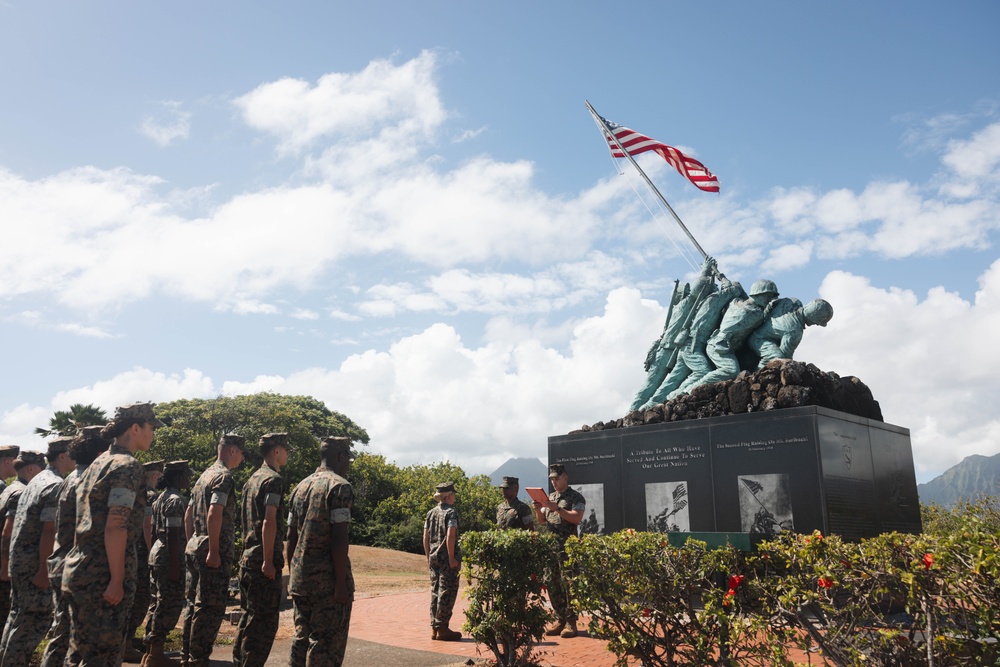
[570, 631]
[555, 629]
[132, 654]
[448, 635]
[154, 657]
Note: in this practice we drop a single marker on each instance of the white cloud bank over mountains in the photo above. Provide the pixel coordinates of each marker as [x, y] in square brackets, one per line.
[483, 237]
[433, 395]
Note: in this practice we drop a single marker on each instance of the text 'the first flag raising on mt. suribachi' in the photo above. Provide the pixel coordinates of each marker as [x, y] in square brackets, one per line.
[636, 143]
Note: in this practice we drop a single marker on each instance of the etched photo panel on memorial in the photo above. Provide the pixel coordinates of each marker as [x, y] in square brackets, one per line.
[593, 520]
[765, 504]
[667, 507]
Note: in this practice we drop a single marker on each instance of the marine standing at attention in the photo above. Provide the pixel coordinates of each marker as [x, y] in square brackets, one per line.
[140, 605]
[321, 583]
[513, 513]
[26, 466]
[99, 573]
[84, 448]
[263, 562]
[166, 562]
[443, 559]
[210, 552]
[30, 547]
[8, 454]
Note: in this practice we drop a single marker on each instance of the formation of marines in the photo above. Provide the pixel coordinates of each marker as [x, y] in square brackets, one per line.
[95, 543]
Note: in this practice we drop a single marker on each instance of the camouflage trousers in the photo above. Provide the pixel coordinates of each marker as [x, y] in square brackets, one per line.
[444, 592]
[55, 651]
[96, 627]
[260, 602]
[166, 604]
[207, 591]
[29, 619]
[320, 631]
[4, 599]
[559, 589]
[140, 606]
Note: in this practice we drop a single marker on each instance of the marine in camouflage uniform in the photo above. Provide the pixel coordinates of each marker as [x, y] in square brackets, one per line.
[140, 605]
[262, 562]
[27, 465]
[83, 450]
[8, 454]
[30, 546]
[166, 561]
[210, 565]
[562, 521]
[110, 506]
[512, 512]
[321, 583]
[443, 558]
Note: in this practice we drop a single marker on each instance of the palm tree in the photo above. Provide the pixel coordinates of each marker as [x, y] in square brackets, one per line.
[69, 422]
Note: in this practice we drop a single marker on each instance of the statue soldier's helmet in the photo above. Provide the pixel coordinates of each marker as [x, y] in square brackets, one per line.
[818, 311]
[763, 287]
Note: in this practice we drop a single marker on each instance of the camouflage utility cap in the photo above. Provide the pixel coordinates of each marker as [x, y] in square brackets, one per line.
[29, 458]
[175, 466]
[139, 412]
[335, 442]
[9, 451]
[508, 482]
[446, 487]
[153, 466]
[269, 441]
[234, 440]
[556, 470]
[59, 445]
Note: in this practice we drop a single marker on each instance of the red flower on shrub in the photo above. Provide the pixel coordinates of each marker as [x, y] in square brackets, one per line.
[825, 582]
[735, 581]
[534, 577]
[645, 612]
[928, 561]
[727, 599]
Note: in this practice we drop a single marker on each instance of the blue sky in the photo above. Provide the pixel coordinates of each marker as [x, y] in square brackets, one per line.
[405, 210]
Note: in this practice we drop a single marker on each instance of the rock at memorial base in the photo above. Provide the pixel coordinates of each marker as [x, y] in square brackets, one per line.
[782, 383]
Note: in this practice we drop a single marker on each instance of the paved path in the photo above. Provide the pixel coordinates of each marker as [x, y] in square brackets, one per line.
[395, 630]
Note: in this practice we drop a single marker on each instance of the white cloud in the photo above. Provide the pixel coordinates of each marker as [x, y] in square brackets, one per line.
[787, 257]
[139, 384]
[977, 157]
[172, 123]
[461, 290]
[298, 114]
[930, 362]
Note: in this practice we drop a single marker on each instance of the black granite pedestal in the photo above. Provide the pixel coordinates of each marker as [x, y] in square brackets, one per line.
[800, 469]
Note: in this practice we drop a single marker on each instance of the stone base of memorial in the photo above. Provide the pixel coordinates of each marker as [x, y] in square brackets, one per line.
[802, 468]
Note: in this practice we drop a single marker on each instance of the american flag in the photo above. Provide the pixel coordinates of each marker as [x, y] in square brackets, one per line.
[636, 143]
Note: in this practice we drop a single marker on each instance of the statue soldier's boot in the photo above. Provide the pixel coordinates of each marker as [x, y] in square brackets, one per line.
[570, 631]
[448, 635]
[555, 629]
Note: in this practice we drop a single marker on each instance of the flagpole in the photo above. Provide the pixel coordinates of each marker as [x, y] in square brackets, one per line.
[635, 164]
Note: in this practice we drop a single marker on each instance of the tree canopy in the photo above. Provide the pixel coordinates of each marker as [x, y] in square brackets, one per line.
[194, 427]
[69, 422]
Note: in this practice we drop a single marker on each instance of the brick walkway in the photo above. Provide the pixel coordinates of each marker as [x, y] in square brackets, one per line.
[402, 620]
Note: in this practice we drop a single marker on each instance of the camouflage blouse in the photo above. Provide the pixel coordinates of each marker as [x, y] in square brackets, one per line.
[114, 479]
[37, 506]
[216, 486]
[65, 522]
[320, 501]
[264, 489]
